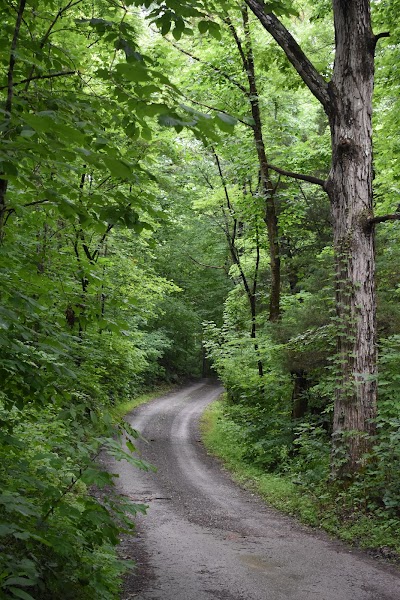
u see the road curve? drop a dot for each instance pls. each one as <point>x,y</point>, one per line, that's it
<point>205,538</point>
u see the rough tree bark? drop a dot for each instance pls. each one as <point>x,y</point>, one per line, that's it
<point>347,101</point>
<point>350,190</point>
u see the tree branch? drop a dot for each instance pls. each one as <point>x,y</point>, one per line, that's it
<point>87,252</point>
<point>308,178</point>
<point>309,74</point>
<point>36,202</point>
<point>238,44</point>
<point>49,76</point>
<point>46,36</point>
<point>11,65</point>
<point>96,253</point>
<point>213,108</point>
<point>206,178</point>
<point>213,67</point>
<point>203,265</point>
<point>381,35</point>
<point>8,109</point>
<point>68,489</point>
<point>257,264</point>
<point>7,212</point>
<point>384,219</point>
<point>216,157</point>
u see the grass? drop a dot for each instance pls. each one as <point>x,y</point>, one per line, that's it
<point>124,408</point>
<point>278,491</point>
<point>370,531</point>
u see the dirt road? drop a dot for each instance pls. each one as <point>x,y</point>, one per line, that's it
<point>204,538</point>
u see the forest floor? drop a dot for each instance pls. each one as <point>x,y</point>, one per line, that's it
<point>206,538</point>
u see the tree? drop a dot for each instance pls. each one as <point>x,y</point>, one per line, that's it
<point>80,299</point>
<point>267,188</point>
<point>347,102</point>
<point>250,283</point>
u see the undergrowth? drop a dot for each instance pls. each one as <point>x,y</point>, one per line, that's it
<point>123,408</point>
<point>60,516</point>
<point>298,492</point>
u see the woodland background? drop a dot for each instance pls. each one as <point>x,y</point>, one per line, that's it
<point>136,250</point>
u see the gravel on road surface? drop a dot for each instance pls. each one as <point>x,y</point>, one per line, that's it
<point>206,538</point>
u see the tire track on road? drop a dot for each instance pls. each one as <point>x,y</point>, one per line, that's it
<point>205,538</point>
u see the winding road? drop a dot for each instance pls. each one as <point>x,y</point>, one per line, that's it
<point>205,538</point>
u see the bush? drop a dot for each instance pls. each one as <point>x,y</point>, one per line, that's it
<point>58,533</point>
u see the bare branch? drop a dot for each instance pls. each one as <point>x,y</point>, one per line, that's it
<point>384,219</point>
<point>214,109</point>
<point>309,74</point>
<point>203,265</point>
<point>383,34</point>
<point>49,76</point>
<point>308,178</point>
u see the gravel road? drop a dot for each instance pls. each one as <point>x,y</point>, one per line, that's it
<point>205,538</point>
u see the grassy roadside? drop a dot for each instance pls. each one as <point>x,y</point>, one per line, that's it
<point>368,531</point>
<point>126,407</point>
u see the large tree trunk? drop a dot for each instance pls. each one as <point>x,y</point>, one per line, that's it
<point>347,100</point>
<point>350,191</point>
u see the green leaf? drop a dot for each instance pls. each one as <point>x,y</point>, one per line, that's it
<point>101,25</point>
<point>214,30</point>
<point>134,72</point>
<point>117,168</point>
<point>130,52</point>
<point>93,476</point>
<point>17,593</point>
<point>24,581</point>
<point>178,29</point>
<point>146,133</point>
<point>130,446</point>
<point>8,169</point>
<point>40,123</point>
<point>27,132</point>
<point>14,502</point>
<point>133,508</point>
<point>165,23</point>
<point>203,26</point>
<point>225,122</point>
<point>6,529</point>
<point>173,120</point>
<point>177,33</point>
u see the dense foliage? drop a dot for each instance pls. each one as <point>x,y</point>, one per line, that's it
<point>140,232</point>
<point>281,421</point>
<point>89,313</point>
